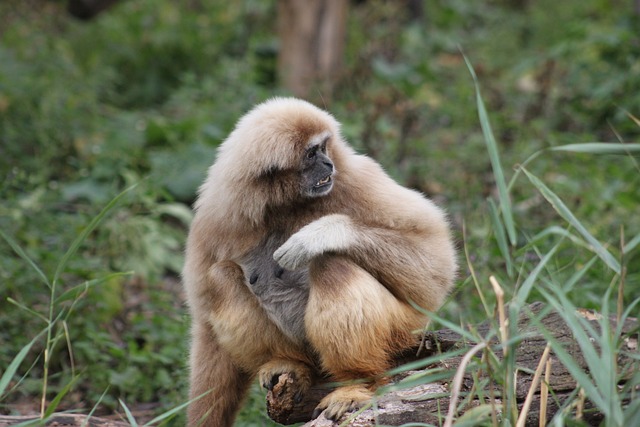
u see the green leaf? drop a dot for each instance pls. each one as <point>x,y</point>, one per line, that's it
<point>92,225</point>
<point>18,250</point>
<point>128,413</point>
<point>494,157</point>
<point>575,278</point>
<point>168,414</point>
<point>75,291</point>
<point>566,213</point>
<point>572,366</point>
<point>86,420</point>
<point>631,244</point>
<point>501,238</point>
<point>525,289</point>
<point>473,416</point>
<point>15,363</point>
<point>27,309</point>
<point>56,400</point>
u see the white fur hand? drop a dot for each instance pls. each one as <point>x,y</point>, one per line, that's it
<point>294,253</point>
<point>329,233</point>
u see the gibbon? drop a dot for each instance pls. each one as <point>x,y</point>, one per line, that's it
<point>304,257</point>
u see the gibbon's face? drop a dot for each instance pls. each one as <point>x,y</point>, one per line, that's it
<point>317,168</point>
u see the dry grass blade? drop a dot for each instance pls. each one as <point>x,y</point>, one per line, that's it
<point>544,394</point>
<point>501,313</point>
<point>457,382</point>
<point>534,384</point>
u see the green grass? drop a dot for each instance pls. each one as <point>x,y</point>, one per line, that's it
<point>531,145</point>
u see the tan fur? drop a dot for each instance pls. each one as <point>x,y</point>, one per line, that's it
<point>371,248</point>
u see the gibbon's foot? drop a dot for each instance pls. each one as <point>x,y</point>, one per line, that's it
<point>270,372</point>
<point>342,400</point>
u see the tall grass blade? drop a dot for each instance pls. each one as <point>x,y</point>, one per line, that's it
<point>15,363</point>
<point>18,250</point>
<point>446,323</point>
<point>56,400</point>
<point>169,413</point>
<point>75,291</point>
<point>419,364</point>
<point>494,157</point>
<point>631,244</point>
<point>566,213</point>
<point>501,237</point>
<point>599,148</point>
<point>575,278</point>
<point>632,413</point>
<point>627,313</point>
<point>604,376</point>
<point>128,413</point>
<point>524,291</point>
<point>27,309</point>
<point>559,231</point>
<point>574,369</point>
<point>35,422</point>
<point>83,235</point>
<point>473,277</point>
<point>90,414</point>
<point>474,416</point>
<point>421,378</point>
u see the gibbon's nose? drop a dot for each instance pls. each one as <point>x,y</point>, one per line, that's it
<point>329,164</point>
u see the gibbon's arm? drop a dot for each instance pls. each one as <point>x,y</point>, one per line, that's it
<point>330,233</point>
<point>414,266</point>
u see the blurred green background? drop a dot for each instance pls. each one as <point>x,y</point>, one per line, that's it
<point>145,91</point>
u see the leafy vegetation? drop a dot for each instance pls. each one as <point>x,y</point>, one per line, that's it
<point>91,314</point>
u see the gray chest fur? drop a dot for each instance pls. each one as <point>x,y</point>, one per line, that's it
<point>283,294</point>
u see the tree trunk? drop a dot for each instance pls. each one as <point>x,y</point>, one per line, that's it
<point>400,407</point>
<point>87,9</point>
<point>312,34</point>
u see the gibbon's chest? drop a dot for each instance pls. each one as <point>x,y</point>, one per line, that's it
<point>283,294</point>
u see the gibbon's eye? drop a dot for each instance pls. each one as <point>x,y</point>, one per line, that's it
<point>312,152</point>
<point>323,145</point>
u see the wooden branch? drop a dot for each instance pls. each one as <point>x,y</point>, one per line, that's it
<point>399,407</point>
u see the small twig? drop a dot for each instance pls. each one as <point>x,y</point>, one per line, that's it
<point>501,314</point>
<point>580,404</point>
<point>532,389</point>
<point>544,394</point>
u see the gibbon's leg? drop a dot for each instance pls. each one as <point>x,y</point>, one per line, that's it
<point>357,326</point>
<point>217,384</point>
<point>233,340</point>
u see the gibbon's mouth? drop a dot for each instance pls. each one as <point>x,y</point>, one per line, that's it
<point>324,181</point>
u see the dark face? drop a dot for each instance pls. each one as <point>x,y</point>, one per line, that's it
<point>317,169</point>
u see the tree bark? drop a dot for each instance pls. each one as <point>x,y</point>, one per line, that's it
<point>400,407</point>
<point>312,34</point>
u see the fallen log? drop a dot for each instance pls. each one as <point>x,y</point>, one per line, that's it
<point>428,403</point>
<point>62,420</point>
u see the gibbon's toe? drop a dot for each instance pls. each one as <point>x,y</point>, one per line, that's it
<point>271,382</point>
<point>342,400</point>
<point>297,376</point>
